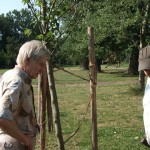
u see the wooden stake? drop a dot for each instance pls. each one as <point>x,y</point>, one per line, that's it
<point>39,99</point>
<point>54,105</point>
<point>93,80</point>
<point>49,109</point>
<point>43,111</point>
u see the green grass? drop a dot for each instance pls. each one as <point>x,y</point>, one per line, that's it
<point>119,110</point>
<point>2,71</point>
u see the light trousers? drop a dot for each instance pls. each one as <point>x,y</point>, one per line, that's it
<point>9,143</point>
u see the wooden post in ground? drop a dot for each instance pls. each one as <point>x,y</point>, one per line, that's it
<point>55,108</point>
<point>49,109</point>
<point>39,98</point>
<point>43,110</point>
<point>93,80</point>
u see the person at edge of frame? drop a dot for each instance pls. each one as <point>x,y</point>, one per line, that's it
<point>18,125</point>
<point>144,64</point>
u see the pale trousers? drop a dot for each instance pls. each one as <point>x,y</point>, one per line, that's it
<point>147,124</point>
<point>9,143</point>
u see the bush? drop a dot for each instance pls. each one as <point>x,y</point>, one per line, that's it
<point>7,60</point>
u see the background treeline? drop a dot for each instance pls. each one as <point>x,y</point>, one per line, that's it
<point>13,28</point>
<point>120,28</point>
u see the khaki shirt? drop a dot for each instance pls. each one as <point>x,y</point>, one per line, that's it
<point>16,100</point>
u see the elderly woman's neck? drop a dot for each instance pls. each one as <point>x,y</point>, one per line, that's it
<point>21,67</point>
<point>24,68</point>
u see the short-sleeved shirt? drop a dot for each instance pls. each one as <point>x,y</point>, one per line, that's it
<point>16,100</point>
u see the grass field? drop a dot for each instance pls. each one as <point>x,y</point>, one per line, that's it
<point>119,110</point>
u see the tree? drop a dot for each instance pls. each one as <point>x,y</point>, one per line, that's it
<point>48,17</point>
<point>12,28</point>
<point>117,26</point>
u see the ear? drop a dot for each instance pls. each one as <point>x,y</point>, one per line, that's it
<point>27,61</point>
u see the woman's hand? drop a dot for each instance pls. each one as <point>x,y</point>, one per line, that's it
<point>29,141</point>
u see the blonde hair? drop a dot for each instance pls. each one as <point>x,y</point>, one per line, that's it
<point>32,49</point>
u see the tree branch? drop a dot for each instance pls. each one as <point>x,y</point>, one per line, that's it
<point>66,31</point>
<point>30,6</point>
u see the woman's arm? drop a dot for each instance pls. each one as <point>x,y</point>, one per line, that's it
<point>11,129</point>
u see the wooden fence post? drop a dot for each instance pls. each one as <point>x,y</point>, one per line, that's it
<point>39,98</point>
<point>93,80</point>
<point>43,110</point>
<point>55,108</point>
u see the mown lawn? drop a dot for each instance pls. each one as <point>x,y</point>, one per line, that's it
<point>119,110</point>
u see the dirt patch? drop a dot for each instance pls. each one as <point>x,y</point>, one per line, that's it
<point>101,83</point>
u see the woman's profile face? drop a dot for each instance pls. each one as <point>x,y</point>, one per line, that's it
<point>36,67</point>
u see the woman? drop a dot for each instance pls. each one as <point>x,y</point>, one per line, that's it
<point>144,64</point>
<point>18,126</point>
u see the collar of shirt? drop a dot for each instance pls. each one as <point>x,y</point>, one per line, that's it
<point>23,75</point>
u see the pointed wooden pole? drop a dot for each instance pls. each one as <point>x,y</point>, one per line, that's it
<point>43,110</point>
<point>55,107</point>
<point>39,98</point>
<point>93,80</point>
<point>49,109</point>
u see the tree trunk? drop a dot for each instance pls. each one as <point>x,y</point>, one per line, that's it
<point>98,64</point>
<point>133,64</point>
<point>43,88</point>
<point>93,80</point>
<point>44,25</point>
<point>85,64</point>
<point>55,106</point>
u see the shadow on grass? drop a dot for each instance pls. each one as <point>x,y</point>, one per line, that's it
<point>123,73</point>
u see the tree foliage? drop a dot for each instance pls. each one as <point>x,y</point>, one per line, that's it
<point>117,27</point>
<point>12,34</point>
